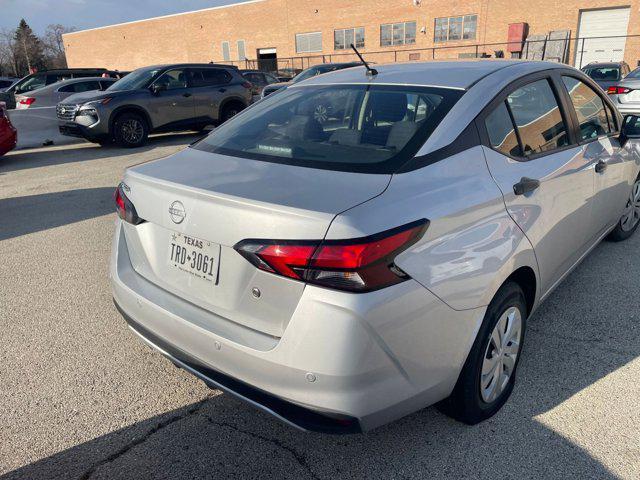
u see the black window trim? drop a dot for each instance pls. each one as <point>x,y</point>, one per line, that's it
<point>552,77</point>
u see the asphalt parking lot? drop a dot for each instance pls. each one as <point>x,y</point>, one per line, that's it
<point>81,397</point>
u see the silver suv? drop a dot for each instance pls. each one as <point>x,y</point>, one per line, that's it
<point>156,99</point>
<point>342,273</point>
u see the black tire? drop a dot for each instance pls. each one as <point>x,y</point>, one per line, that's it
<point>230,110</point>
<point>466,402</point>
<point>130,130</point>
<point>624,230</point>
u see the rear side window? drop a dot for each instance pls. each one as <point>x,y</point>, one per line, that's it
<point>361,128</point>
<point>207,77</point>
<point>538,118</point>
<point>589,107</point>
<point>502,133</point>
<point>81,87</point>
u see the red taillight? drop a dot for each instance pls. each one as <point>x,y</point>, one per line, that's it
<point>618,90</point>
<point>247,85</point>
<point>359,265</point>
<point>125,209</point>
<point>27,101</point>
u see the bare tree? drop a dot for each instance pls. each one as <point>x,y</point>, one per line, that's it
<point>8,53</point>
<point>54,45</point>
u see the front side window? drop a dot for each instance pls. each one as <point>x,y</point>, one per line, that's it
<point>538,118</point>
<point>340,127</point>
<point>448,29</point>
<point>342,39</point>
<point>398,34</point>
<point>590,109</point>
<point>172,80</point>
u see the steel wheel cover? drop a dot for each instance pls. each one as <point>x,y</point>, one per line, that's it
<point>631,214</point>
<point>500,355</point>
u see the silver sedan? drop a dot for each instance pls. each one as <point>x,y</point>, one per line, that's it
<point>51,95</point>
<point>341,271</point>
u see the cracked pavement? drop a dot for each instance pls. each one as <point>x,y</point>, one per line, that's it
<point>83,398</point>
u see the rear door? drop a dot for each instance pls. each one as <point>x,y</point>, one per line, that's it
<point>210,86</point>
<point>598,133</point>
<point>547,183</point>
<point>174,104</point>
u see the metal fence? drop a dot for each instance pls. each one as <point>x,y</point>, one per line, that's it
<point>577,51</point>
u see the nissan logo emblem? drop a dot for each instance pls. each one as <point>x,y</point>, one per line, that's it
<point>177,212</point>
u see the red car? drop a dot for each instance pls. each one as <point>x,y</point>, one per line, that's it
<point>8,134</point>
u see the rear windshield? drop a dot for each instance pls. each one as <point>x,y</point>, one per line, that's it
<point>364,128</point>
<point>605,74</point>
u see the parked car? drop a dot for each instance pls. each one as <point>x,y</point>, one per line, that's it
<point>6,82</point>
<point>342,275</point>
<point>8,134</point>
<point>626,94</point>
<point>51,95</point>
<point>607,74</point>
<point>38,80</point>
<point>306,74</point>
<point>155,99</point>
<point>259,80</point>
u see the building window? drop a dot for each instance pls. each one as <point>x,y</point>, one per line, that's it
<point>308,42</point>
<point>226,53</point>
<point>449,29</point>
<point>397,34</point>
<point>342,39</point>
<point>241,50</point>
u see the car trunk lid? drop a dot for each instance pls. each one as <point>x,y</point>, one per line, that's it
<point>197,196</point>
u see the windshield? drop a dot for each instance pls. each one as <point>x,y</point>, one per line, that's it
<point>362,128</point>
<point>604,74</point>
<point>135,80</point>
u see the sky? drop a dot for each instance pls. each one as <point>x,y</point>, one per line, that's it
<point>92,13</point>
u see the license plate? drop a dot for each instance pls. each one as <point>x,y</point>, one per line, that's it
<point>194,256</point>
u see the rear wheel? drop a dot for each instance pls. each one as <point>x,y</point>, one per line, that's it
<point>130,130</point>
<point>230,110</point>
<point>489,374</point>
<point>628,223</point>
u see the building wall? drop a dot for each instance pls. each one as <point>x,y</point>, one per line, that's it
<point>198,36</point>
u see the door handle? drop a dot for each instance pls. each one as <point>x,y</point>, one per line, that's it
<point>222,90</point>
<point>526,185</point>
<point>601,166</point>
<point>186,94</point>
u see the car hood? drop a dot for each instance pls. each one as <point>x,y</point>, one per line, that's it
<point>277,86</point>
<point>92,96</point>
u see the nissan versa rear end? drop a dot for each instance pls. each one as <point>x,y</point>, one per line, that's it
<point>343,270</point>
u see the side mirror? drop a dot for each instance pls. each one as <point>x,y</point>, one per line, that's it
<point>630,128</point>
<point>156,89</point>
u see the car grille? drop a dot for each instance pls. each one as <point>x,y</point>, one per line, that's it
<point>66,111</point>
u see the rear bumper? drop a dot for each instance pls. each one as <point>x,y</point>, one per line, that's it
<point>345,363</point>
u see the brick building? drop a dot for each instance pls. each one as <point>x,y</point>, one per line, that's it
<point>298,33</point>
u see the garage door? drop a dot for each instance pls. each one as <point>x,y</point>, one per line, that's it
<point>601,23</point>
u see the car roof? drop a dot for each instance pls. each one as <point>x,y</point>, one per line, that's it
<point>185,65</point>
<point>604,64</point>
<point>459,74</point>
